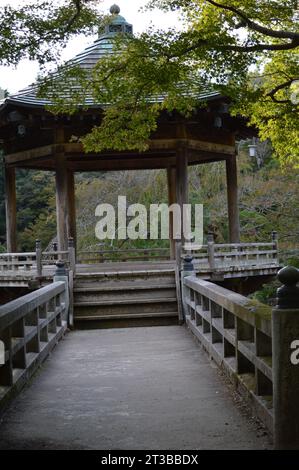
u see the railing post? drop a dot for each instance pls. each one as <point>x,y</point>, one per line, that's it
<point>39,261</point>
<point>285,345</point>
<point>61,276</point>
<point>211,251</point>
<point>188,270</point>
<point>72,255</point>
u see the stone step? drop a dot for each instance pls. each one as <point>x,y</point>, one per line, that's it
<point>125,307</point>
<point>126,294</point>
<point>128,316</point>
<point>129,281</point>
<point>136,272</point>
<point>116,292</point>
<point>159,275</point>
<point>117,286</point>
<point>125,302</point>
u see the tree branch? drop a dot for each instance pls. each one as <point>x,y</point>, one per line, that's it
<point>255,26</point>
<point>234,48</point>
<point>282,86</point>
<point>78,6</point>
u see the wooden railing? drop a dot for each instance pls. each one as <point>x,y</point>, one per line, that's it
<point>236,332</point>
<point>123,255</point>
<point>38,263</point>
<point>17,262</point>
<point>29,328</point>
<point>257,346</point>
<point>210,258</point>
<point>215,257</point>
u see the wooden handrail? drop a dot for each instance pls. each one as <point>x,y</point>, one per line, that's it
<point>19,308</point>
<point>215,256</point>
<point>237,333</point>
<point>30,328</point>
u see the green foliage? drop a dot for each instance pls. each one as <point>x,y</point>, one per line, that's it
<point>268,201</point>
<point>35,208</point>
<point>247,50</point>
<point>39,30</point>
<point>139,187</point>
<point>267,294</point>
<point>36,217</point>
<point>271,100</point>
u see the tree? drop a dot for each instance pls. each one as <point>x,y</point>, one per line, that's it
<point>38,30</point>
<point>246,49</point>
<point>35,207</point>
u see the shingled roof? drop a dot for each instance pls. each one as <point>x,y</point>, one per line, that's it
<point>87,60</point>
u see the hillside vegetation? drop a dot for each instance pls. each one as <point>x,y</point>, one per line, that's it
<point>269,199</point>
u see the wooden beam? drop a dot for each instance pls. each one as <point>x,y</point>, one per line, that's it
<point>11,209</point>
<point>101,163</point>
<point>33,154</point>
<point>171,180</point>
<point>160,155</point>
<point>199,145</point>
<point>232,199</point>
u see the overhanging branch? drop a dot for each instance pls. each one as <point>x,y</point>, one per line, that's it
<point>279,87</point>
<point>281,34</point>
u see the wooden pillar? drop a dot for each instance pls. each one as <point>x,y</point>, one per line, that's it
<point>62,202</point>
<point>11,209</point>
<point>72,232</point>
<point>65,196</point>
<point>171,179</point>
<point>181,188</point>
<point>232,199</point>
<point>65,203</point>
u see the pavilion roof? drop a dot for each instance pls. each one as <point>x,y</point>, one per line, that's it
<point>87,60</point>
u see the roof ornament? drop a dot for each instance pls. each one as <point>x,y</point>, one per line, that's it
<point>114,9</point>
<point>116,24</point>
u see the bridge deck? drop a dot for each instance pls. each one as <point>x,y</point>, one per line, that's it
<point>24,278</point>
<point>145,388</point>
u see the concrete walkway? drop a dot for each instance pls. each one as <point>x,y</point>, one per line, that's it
<point>138,388</point>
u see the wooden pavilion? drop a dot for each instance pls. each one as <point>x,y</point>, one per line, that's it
<point>33,138</point>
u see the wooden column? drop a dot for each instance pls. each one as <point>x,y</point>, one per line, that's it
<point>181,187</point>
<point>11,209</point>
<point>72,232</point>
<point>62,202</point>
<point>171,179</point>
<point>232,199</point>
<point>65,203</point>
<point>65,196</point>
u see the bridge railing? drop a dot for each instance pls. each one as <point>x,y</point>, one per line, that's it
<point>38,263</point>
<point>256,346</point>
<point>29,328</point>
<point>215,257</point>
<point>17,262</point>
<point>236,332</point>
